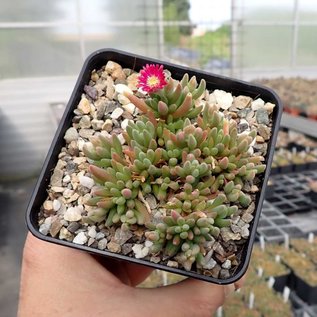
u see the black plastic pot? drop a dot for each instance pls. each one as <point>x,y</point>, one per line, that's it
<point>136,62</point>
<point>305,291</point>
<point>280,282</point>
<point>313,196</point>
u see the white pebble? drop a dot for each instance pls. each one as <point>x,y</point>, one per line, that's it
<point>102,244</point>
<point>124,123</point>
<point>73,213</point>
<point>81,238</point>
<point>226,264</point>
<point>140,251</point>
<point>56,204</point>
<point>224,99</point>
<point>257,104</point>
<point>45,228</point>
<point>148,243</point>
<point>66,179</point>
<point>121,138</point>
<point>86,181</point>
<point>121,88</point>
<point>130,107</point>
<point>117,113</point>
<point>92,232</point>
<point>123,99</point>
<point>99,236</point>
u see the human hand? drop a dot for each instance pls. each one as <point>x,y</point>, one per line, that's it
<point>59,281</point>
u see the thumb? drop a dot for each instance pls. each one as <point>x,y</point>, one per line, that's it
<point>187,298</point>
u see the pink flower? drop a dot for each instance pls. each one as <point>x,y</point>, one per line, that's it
<point>151,78</point>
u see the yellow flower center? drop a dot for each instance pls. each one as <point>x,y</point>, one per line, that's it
<point>152,81</point>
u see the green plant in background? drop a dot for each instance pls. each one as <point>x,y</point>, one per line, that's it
<point>185,153</point>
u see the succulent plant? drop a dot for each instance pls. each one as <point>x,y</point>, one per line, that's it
<point>185,153</point>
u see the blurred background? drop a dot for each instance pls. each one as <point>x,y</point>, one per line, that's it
<point>43,45</point>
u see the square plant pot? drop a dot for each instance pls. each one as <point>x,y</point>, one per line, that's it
<point>280,282</point>
<point>67,230</point>
<point>305,291</point>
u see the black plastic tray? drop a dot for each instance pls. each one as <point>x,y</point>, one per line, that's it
<point>95,61</point>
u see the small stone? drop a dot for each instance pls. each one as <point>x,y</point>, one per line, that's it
<point>57,189</point>
<point>68,193</point>
<point>121,89</point>
<point>79,160</point>
<point>92,232</point>
<point>56,179</point>
<point>110,106</point>
<point>84,106</point>
<point>130,107</point>
<point>85,122</point>
<point>244,112</point>
<point>173,264</point>
<point>71,167</point>
<point>210,263</point>
<point>226,265</point>
<point>91,241</point>
<point>56,204</point>
<point>247,217</point>
<point>133,81</point>
<point>235,228</point>
<point>262,117</point>
<point>80,238</point>
<point>112,66</point>
<point>86,133</point>
<point>71,135</point>
<point>116,114</point>
<point>228,235</point>
<point>224,274</point>
<point>121,138</point>
<point>123,99</point>
<point>110,91</point>
<point>122,236</point>
<point>100,109</point>
<point>241,102</point>
<point>126,248</point>
<point>48,205</point>
<point>55,228</point>
<point>264,131</point>
<point>245,231</point>
<point>125,123</point>
<point>99,235</point>
<point>155,259</point>
<point>66,179</point>
<point>45,228</point>
<point>94,76</point>
<point>73,213</point>
<point>151,200</point>
<point>91,92</point>
<point>114,247</point>
<point>64,234</point>
<point>269,107</point>
<point>217,247</point>
<point>257,104</point>
<point>140,251</point>
<point>97,124</point>
<point>107,125</point>
<point>118,74</point>
<point>224,99</point>
<point>102,244</point>
<point>259,139</point>
<point>73,227</point>
<point>251,208</point>
<point>86,181</point>
<point>243,126</point>
<point>215,271</point>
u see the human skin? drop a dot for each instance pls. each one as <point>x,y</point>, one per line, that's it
<point>60,281</point>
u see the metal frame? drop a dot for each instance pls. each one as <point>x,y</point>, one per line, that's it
<point>236,23</point>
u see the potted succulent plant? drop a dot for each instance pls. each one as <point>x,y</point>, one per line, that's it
<point>159,165</point>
